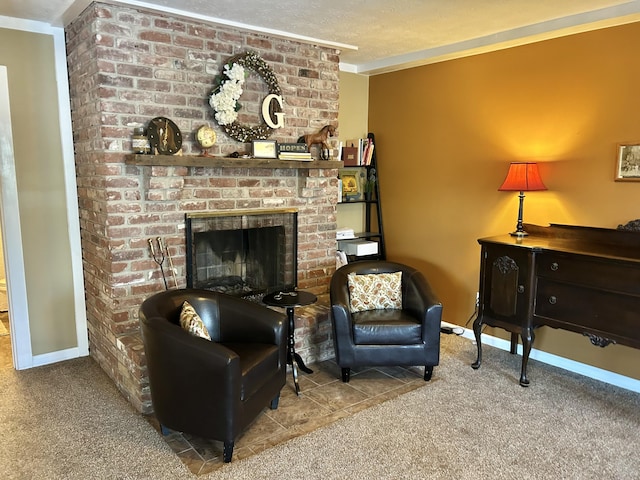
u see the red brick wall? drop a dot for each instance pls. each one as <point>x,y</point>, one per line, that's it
<point>128,66</point>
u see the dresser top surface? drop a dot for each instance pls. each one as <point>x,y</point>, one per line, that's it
<point>589,241</point>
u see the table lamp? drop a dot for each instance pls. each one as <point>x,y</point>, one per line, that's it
<point>522,177</point>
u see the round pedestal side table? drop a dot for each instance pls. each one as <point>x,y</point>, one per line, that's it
<point>290,300</point>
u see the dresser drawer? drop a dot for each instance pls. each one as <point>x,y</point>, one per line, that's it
<point>609,275</point>
<point>585,309</point>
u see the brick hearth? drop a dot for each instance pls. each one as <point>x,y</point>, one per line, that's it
<point>128,66</point>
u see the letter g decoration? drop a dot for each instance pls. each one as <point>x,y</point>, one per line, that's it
<point>266,111</point>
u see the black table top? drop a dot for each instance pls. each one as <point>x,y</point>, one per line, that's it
<point>292,298</point>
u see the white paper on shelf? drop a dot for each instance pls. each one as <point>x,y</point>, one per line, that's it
<point>344,233</point>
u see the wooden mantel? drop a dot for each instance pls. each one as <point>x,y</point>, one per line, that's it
<point>226,162</point>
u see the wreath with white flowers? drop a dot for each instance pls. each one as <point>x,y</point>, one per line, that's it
<point>227,92</point>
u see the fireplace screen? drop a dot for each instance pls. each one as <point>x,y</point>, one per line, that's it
<point>244,253</point>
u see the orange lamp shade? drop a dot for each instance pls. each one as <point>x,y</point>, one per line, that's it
<point>523,177</point>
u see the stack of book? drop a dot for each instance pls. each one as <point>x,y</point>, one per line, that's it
<point>305,157</point>
<point>358,152</point>
<point>367,153</point>
<point>294,151</point>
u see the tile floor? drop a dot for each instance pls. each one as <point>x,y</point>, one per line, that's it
<point>323,399</point>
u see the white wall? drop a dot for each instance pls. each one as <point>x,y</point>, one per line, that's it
<point>39,197</point>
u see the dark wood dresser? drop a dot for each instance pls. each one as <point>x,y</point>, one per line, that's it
<point>581,279</point>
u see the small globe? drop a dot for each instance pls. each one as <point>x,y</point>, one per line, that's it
<point>206,137</point>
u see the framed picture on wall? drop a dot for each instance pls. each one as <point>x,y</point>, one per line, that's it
<point>628,162</point>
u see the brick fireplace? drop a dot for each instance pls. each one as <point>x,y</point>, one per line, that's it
<point>127,66</point>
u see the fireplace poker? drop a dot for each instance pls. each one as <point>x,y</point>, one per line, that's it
<point>159,259</point>
<point>173,270</point>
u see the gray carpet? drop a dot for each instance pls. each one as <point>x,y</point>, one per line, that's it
<point>68,421</point>
<point>470,424</point>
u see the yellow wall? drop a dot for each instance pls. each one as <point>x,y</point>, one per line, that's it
<point>352,123</point>
<point>446,132</point>
<point>35,120</point>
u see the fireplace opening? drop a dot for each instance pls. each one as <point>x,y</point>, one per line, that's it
<point>246,254</point>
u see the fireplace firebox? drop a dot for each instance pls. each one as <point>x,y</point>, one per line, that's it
<point>242,253</point>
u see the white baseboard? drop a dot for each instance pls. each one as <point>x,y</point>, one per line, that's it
<point>600,374</point>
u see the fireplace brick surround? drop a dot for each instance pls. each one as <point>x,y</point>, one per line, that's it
<point>127,66</point>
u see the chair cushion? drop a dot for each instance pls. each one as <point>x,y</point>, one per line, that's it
<point>386,327</point>
<point>375,291</point>
<point>258,363</point>
<point>192,323</point>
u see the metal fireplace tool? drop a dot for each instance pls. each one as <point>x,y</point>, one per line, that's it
<point>159,257</point>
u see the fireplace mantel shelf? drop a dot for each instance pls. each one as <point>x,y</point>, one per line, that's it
<point>226,162</point>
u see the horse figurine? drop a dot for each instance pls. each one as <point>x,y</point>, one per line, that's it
<point>319,138</point>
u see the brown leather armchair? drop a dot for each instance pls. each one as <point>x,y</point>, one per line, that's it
<point>213,389</point>
<point>405,337</point>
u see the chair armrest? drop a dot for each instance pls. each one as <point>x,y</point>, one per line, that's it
<point>187,373</point>
<point>420,299</point>
<point>344,349</point>
<point>342,322</point>
<point>341,312</point>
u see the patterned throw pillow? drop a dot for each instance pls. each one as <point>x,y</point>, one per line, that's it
<point>192,323</point>
<point>375,291</point>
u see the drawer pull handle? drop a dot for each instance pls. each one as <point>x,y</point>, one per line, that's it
<point>554,266</point>
<point>552,300</point>
<point>520,288</point>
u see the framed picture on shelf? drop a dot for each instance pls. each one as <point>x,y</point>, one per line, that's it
<point>264,149</point>
<point>628,162</point>
<point>351,184</point>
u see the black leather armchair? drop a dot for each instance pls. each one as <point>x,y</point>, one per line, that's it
<point>213,389</point>
<point>407,337</point>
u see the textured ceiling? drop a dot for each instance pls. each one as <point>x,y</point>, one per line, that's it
<point>377,35</point>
